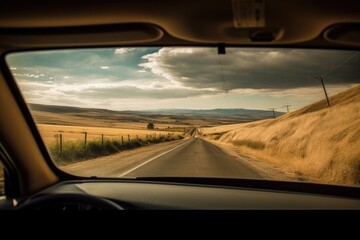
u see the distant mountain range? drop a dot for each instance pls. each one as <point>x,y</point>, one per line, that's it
<point>218,112</point>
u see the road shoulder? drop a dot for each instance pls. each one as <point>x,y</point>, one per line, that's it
<point>265,169</point>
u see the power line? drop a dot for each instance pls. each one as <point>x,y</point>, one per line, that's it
<point>336,67</point>
<point>222,74</point>
<point>321,77</point>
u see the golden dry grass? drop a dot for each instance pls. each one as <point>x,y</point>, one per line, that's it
<point>73,133</point>
<point>112,120</point>
<point>322,144</point>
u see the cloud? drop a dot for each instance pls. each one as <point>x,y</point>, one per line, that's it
<point>130,92</point>
<point>121,51</point>
<point>305,92</point>
<point>250,68</point>
<point>179,77</point>
<point>98,90</point>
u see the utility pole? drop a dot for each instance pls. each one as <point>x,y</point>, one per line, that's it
<point>332,70</point>
<point>273,110</point>
<point>287,108</point>
<point>323,85</point>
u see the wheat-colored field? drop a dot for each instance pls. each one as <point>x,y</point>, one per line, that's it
<point>113,122</point>
<point>322,144</point>
<point>50,132</point>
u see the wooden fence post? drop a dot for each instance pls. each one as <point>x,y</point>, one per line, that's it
<point>129,137</point>
<point>137,137</point>
<point>102,140</point>
<point>61,139</point>
<point>122,140</point>
<point>85,139</point>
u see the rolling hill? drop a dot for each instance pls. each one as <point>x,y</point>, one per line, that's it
<point>219,112</point>
<point>316,142</point>
<point>49,114</point>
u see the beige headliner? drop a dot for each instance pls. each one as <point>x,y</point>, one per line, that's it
<point>199,21</point>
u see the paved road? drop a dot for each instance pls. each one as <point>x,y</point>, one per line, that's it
<point>195,158</point>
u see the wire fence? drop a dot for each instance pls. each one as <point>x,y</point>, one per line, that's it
<point>123,139</point>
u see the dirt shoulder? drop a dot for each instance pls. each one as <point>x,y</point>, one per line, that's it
<point>265,169</point>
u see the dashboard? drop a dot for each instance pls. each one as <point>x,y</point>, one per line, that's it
<point>142,195</point>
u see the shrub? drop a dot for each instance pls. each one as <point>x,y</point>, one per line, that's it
<point>75,151</point>
<point>257,145</point>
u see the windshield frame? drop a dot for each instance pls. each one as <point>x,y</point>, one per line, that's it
<point>32,124</point>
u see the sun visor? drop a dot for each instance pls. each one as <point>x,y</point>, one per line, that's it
<point>80,36</point>
<point>346,33</point>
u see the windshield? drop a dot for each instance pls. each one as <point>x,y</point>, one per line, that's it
<point>251,113</point>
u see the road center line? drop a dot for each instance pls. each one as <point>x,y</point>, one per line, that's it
<point>162,154</point>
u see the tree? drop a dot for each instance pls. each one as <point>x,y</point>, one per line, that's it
<point>150,126</point>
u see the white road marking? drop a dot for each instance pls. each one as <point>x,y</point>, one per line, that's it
<point>162,154</point>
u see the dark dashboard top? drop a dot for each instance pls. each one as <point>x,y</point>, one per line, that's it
<point>135,194</point>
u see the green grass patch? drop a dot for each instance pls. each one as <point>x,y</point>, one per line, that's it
<point>257,145</point>
<point>75,151</point>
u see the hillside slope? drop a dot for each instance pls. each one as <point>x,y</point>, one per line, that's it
<point>319,143</point>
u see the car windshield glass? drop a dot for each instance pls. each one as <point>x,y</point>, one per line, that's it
<point>251,113</point>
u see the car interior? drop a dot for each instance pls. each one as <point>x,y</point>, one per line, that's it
<point>32,181</point>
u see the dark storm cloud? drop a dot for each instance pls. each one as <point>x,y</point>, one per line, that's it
<point>252,68</point>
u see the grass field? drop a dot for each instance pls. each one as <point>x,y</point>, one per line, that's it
<point>74,134</point>
<point>319,143</point>
<point>71,146</point>
<point>73,116</point>
<point>50,133</point>
<point>123,121</point>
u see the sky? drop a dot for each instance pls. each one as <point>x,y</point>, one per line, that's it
<point>183,78</point>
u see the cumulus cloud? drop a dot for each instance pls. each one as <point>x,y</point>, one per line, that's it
<point>179,77</point>
<point>250,68</point>
<point>121,51</point>
<point>131,92</point>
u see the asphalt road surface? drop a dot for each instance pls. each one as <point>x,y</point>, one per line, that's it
<point>195,158</point>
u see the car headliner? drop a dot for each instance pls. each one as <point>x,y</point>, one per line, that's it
<point>65,23</point>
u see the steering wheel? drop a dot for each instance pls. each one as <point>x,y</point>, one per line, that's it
<point>68,202</point>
